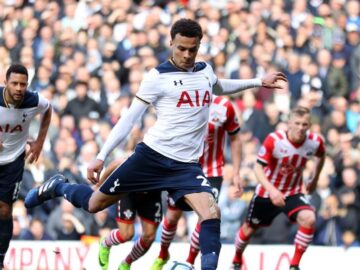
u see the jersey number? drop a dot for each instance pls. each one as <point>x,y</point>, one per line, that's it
<point>205,182</point>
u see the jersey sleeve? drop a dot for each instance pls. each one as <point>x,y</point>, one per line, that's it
<point>43,104</point>
<point>149,89</point>
<point>266,151</point>
<point>232,122</point>
<point>211,74</point>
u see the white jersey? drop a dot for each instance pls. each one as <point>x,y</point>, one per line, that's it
<point>15,122</point>
<point>182,100</point>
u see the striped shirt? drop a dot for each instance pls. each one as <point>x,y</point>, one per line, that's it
<point>222,119</point>
<point>284,161</point>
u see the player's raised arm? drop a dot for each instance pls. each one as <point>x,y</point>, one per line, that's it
<point>116,136</point>
<point>228,86</point>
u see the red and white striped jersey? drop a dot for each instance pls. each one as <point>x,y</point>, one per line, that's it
<point>222,118</point>
<point>285,161</point>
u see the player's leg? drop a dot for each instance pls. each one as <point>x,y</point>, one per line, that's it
<point>204,205</point>
<point>298,209</point>
<point>10,180</point>
<point>6,224</point>
<point>125,219</point>
<point>121,180</point>
<point>149,209</point>
<point>242,239</point>
<point>261,213</point>
<point>142,245</point>
<point>169,226</point>
<point>80,195</point>
<point>215,183</point>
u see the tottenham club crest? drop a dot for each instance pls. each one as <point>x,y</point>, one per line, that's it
<point>116,184</point>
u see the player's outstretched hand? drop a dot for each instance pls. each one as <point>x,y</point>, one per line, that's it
<point>238,184</point>
<point>277,198</point>
<point>94,170</point>
<point>272,80</point>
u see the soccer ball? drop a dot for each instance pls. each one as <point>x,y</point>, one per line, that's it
<point>176,265</point>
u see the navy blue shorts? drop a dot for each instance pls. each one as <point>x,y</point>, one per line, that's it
<point>147,170</point>
<point>11,175</point>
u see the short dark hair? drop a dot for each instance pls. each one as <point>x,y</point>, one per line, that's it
<point>187,28</point>
<point>16,68</point>
<point>299,111</point>
<point>84,83</point>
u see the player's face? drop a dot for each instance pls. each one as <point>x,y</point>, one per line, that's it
<point>184,50</point>
<point>16,87</point>
<point>297,127</point>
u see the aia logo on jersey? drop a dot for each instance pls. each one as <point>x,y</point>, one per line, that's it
<point>187,98</point>
<point>11,129</point>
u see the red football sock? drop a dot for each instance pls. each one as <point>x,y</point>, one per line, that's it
<point>303,238</point>
<point>194,245</point>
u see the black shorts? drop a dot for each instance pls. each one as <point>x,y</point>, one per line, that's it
<point>147,205</point>
<point>148,170</point>
<point>216,182</point>
<point>11,175</point>
<point>262,212</point>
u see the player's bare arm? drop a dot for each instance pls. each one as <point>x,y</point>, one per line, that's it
<point>36,146</point>
<point>277,198</point>
<point>116,136</point>
<point>227,86</point>
<point>319,164</point>
<point>236,158</point>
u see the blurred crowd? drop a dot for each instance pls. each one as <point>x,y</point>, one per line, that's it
<point>88,57</point>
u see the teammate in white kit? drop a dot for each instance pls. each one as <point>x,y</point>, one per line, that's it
<point>17,108</point>
<point>281,161</point>
<point>181,90</point>
<point>222,121</point>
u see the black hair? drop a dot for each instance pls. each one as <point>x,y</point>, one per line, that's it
<point>187,28</point>
<point>16,68</point>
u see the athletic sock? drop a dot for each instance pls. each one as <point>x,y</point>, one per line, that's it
<point>6,230</point>
<point>210,245</point>
<point>194,245</point>
<point>78,194</point>
<point>114,238</point>
<point>167,235</point>
<point>138,250</point>
<point>241,242</point>
<point>303,238</point>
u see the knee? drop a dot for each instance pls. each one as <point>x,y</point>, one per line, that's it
<point>172,217</point>
<point>148,238</point>
<point>308,219</point>
<point>126,231</point>
<point>127,235</point>
<point>212,213</point>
